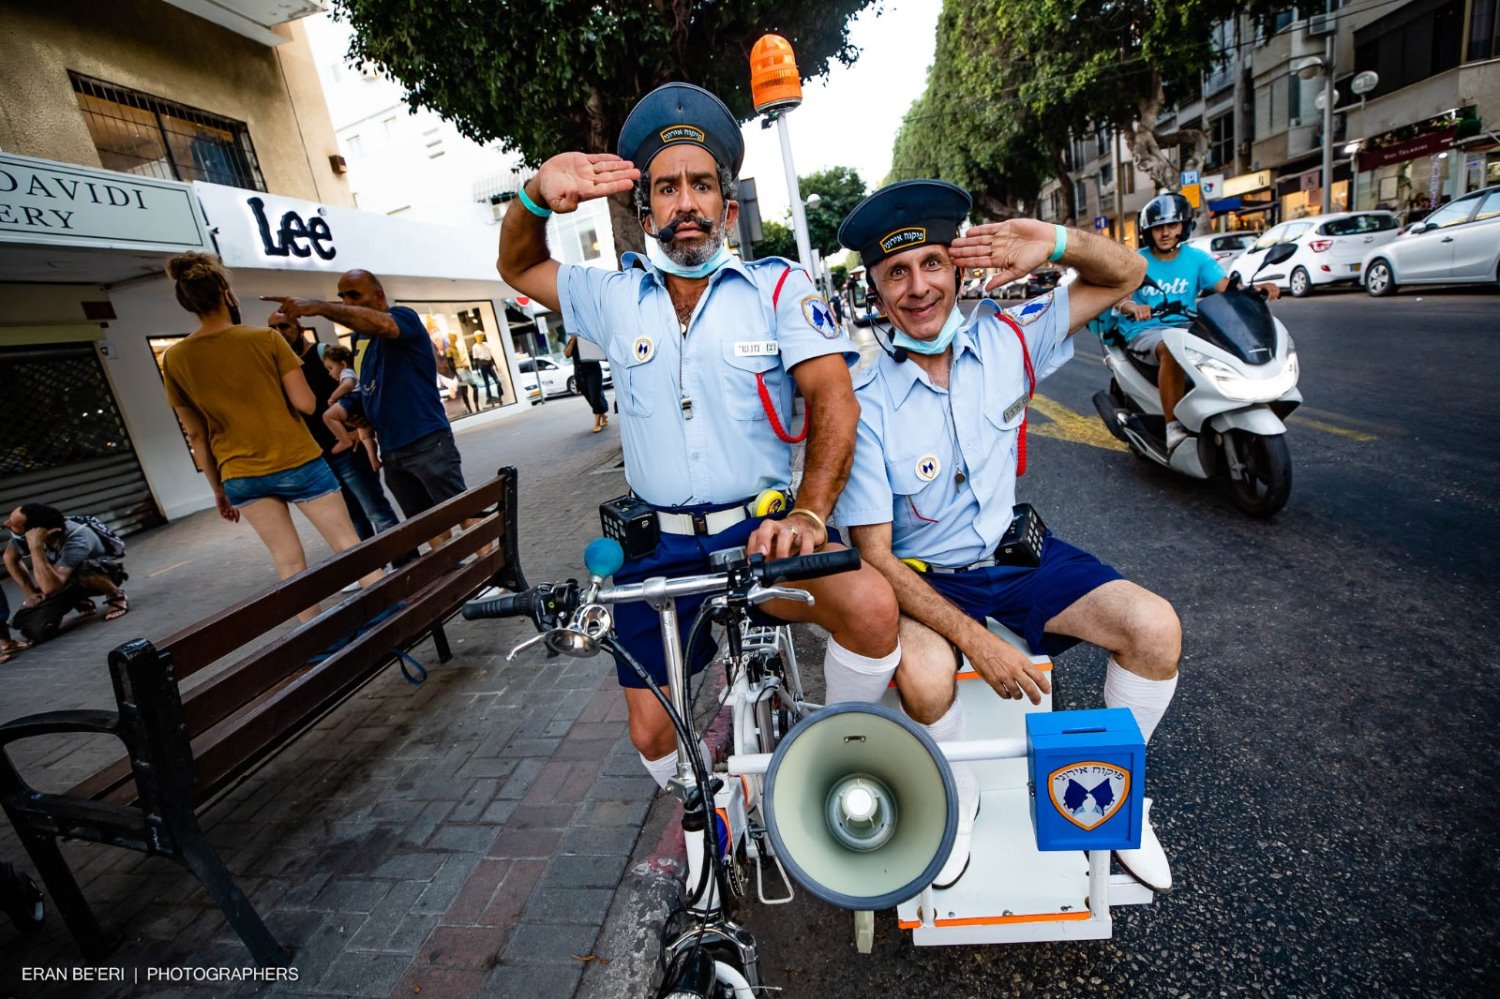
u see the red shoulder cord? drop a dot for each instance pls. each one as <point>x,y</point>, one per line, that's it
<point>1030,391</point>
<point>765,393</point>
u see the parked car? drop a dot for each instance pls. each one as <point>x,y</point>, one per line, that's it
<point>557,376</point>
<point>1458,243</point>
<point>973,288</point>
<point>1330,249</point>
<point>1225,246</point>
<point>1011,289</point>
<point>1042,281</point>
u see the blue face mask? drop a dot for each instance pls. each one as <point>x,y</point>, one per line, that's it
<point>662,262</point>
<point>936,345</point>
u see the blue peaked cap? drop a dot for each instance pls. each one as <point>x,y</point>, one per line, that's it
<point>681,112</point>
<point>903,215</point>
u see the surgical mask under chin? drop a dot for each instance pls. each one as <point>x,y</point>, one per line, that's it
<point>937,344</point>
<point>659,259</point>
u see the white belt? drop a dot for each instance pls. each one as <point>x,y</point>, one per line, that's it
<point>692,524</point>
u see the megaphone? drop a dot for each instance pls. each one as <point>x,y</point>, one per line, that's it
<point>860,806</point>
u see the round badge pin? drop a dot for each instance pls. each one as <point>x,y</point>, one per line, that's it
<point>928,467</point>
<point>643,348</point>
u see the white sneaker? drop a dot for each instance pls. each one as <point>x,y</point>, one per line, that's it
<point>968,810</point>
<point>1176,434</point>
<point>1148,864</point>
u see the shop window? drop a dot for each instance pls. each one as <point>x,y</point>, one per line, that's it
<point>145,135</point>
<point>455,328</point>
<point>1484,30</point>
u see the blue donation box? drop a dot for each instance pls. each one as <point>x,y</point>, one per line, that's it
<point>1088,779</point>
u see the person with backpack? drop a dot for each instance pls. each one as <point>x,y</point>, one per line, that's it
<point>60,563</point>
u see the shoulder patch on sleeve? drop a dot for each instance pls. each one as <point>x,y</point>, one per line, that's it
<point>1029,312</point>
<point>819,316</point>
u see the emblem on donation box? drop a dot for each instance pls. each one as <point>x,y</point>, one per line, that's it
<point>1088,794</point>
<point>928,467</point>
<point>643,348</point>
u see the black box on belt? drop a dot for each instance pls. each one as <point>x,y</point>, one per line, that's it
<point>632,522</point>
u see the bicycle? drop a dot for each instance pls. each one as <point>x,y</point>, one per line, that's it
<point>703,949</point>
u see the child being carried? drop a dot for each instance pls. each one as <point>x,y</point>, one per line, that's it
<point>345,403</point>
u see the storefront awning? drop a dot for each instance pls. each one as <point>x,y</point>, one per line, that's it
<point>1224,205</point>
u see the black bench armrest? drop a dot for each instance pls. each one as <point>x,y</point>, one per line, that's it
<point>58,722</point>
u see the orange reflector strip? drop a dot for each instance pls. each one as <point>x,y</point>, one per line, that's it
<point>1040,917</point>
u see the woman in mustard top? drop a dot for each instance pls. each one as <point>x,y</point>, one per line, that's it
<point>234,388</point>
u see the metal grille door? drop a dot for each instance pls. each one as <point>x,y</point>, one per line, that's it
<point>64,442</point>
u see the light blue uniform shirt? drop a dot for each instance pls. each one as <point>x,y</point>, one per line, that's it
<point>727,451</point>
<point>914,437</point>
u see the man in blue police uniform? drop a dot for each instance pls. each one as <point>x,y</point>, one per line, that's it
<point>706,351</point>
<point>942,438</point>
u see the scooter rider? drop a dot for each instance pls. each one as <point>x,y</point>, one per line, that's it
<point>942,438</point>
<point>1184,274</point>
<point>706,350</point>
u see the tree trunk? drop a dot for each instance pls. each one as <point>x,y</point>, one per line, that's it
<point>625,223</point>
<point>1060,173</point>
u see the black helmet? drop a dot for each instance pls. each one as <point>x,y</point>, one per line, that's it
<point>1163,210</point>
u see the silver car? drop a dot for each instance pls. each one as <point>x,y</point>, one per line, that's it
<point>1459,243</point>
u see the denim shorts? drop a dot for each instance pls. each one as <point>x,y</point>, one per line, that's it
<point>294,485</point>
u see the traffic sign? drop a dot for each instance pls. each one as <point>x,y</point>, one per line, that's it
<point>1211,186</point>
<point>1189,178</point>
<point>1190,191</point>
<point>1101,222</point>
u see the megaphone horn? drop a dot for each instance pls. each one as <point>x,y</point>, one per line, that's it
<point>860,806</point>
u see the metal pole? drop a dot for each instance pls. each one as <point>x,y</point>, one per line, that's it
<point>1119,191</point>
<point>1328,51</point>
<point>799,216</point>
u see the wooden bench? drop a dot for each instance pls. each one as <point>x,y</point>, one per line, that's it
<point>186,747</point>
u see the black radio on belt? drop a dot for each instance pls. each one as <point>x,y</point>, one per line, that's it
<point>1022,544</point>
<point>632,522</point>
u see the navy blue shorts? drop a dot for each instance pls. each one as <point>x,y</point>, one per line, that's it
<point>293,485</point>
<point>1024,599</point>
<point>637,626</point>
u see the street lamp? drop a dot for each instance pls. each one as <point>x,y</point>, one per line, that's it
<point>1309,70</point>
<point>776,88</point>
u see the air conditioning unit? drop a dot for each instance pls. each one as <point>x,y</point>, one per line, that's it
<point>1294,123</point>
<point>1322,24</point>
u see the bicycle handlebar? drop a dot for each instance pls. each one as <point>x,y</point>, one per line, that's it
<point>554,599</point>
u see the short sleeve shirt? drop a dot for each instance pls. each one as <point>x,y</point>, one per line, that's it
<point>939,465</point>
<point>398,379</point>
<point>232,378</point>
<point>79,544</point>
<point>1183,278</point>
<point>696,408</point>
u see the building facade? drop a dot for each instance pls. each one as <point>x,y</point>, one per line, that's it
<point>1417,95</point>
<point>142,129</point>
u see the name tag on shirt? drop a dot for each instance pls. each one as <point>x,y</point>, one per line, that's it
<point>1014,409</point>
<point>756,348</point>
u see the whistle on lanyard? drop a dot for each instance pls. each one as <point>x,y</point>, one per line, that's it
<point>686,403</point>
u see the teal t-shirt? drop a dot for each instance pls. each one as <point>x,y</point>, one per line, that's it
<point>1183,278</point>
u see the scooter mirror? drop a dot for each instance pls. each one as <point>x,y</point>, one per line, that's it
<point>1278,254</point>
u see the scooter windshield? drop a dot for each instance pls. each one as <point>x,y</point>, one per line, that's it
<point>1239,322</point>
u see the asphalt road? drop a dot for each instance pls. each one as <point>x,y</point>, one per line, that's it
<point>1322,781</point>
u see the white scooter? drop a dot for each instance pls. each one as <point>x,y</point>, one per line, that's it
<point>1242,373</point>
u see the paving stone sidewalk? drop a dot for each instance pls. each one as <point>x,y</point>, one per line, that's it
<point>463,837</point>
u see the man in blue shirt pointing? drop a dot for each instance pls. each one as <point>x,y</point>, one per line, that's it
<point>706,351</point>
<point>942,439</point>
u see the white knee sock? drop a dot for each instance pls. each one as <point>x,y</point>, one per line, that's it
<point>1146,699</point>
<point>853,677</point>
<point>665,769</point>
<point>950,727</point>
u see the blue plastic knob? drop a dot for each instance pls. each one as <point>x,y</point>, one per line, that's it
<point>603,557</point>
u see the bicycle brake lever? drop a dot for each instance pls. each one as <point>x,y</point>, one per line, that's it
<point>762,594</point>
<point>525,645</point>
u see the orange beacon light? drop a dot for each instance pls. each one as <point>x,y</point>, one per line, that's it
<point>774,82</point>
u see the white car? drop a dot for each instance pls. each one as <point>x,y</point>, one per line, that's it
<point>1225,246</point>
<point>1457,244</point>
<point>1330,249</point>
<point>557,376</point>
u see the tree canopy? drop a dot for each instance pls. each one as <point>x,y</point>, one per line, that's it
<point>838,189</point>
<point>1033,73</point>
<point>547,76</point>
<point>777,240</point>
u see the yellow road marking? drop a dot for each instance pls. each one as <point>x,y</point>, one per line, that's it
<point>174,565</point>
<point>1369,426</point>
<point>1064,424</point>
<point>1328,428</point>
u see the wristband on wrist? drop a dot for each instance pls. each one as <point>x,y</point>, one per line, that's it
<point>1062,243</point>
<point>815,519</point>
<point>532,206</point>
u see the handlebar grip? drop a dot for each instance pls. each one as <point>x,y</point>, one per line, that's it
<point>789,570</point>
<point>507,605</point>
